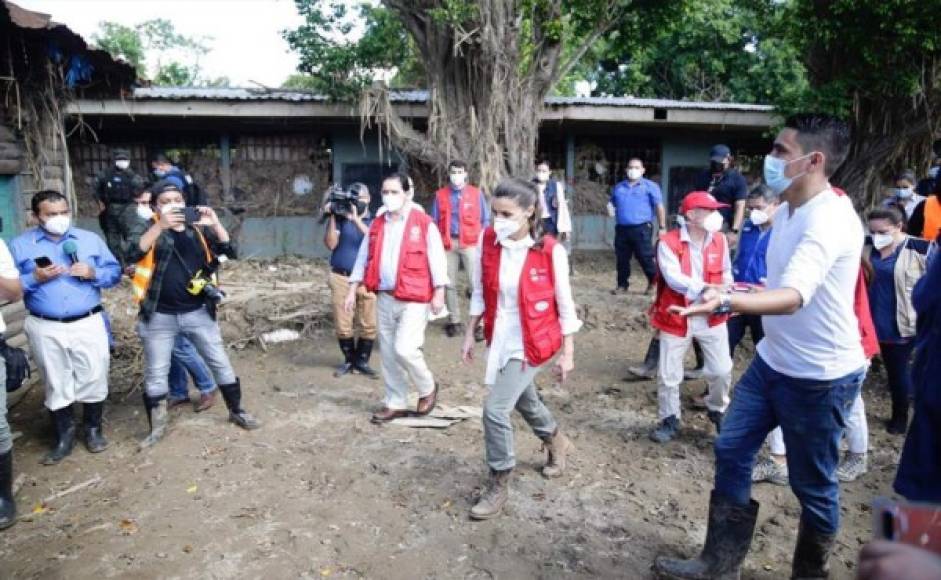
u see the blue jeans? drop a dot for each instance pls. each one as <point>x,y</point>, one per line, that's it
<point>186,358</point>
<point>812,415</point>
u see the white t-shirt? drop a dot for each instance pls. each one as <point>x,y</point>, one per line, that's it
<point>815,251</point>
<point>7,270</point>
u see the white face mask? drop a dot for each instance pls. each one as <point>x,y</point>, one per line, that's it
<point>634,174</point>
<point>458,179</point>
<point>393,202</point>
<point>122,164</point>
<point>505,227</point>
<point>713,222</point>
<point>542,176</point>
<point>882,240</point>
<point>144,212</point>
<point>57,225</point>
<point>759,217</point>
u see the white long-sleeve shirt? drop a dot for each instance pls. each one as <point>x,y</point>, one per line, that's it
<point>392,238</point>
<point>507,341</point>
<point>690,286</point>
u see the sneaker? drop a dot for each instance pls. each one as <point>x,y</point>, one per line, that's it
<point>852,467</point>
<point>666,431</point>
<point>771,471</point>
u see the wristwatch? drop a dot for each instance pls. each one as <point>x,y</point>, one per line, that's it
<point>725,304</point>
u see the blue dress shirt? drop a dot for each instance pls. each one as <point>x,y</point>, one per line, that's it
<point>65,295</point>
<point>636,203</point>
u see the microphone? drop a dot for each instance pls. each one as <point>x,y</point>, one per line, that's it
<point>71,250</point>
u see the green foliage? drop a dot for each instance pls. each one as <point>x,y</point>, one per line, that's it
<point>342,48</point>
<point>694,50</point>
<point>866,49</point>
<point>174,57</point>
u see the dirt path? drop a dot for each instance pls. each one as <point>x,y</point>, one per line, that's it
<point>319,492</point>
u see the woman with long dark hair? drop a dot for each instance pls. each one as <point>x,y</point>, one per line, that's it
<point>523,296</point>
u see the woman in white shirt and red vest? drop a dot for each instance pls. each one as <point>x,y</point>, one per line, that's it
<point>522,294</point>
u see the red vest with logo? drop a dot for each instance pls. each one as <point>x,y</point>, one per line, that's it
<point>713,260</point>
<point>413,278</point>
<point>539,311</point>
<point>468,217</point>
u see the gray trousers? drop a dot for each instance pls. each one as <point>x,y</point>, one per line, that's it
<point>457,256</point>
<point>6,437</point>
<point>514,388</point>
<point>159,336</point>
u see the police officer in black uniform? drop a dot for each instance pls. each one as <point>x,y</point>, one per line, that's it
<point>115,189</point>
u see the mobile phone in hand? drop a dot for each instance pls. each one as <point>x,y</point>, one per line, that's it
<point>42,262</point>
<point>190,215</point>
<point>916,524</point>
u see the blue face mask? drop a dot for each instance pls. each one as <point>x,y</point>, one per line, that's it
<point>904,193</point>
<point>159,172</point>
<point>774,173</point>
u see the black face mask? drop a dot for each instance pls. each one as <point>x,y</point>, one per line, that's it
<point>361,207</point>
<point>717,166</point>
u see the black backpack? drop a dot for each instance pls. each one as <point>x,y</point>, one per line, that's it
<point>17,363</point>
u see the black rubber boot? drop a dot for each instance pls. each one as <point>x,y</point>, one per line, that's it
<point>648,369</point>
<point>232,395</point>
<point>898,424</point>
<point>157,417</point>
<point>95,440</point>
<point>7,505</point>
<point>728,538</point>
<point>348,346</point>
<point>812,554</point>
<point>361,360</point>
<point>64,425</point>
<point>695,373</point>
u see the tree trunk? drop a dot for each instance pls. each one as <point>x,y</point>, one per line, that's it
<point>488,73</point>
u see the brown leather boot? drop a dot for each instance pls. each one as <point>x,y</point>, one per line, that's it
<point>493,499</point>
<point>558,447</point>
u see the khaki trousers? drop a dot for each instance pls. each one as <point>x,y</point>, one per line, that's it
<point>364,316</point>
<point>467,256</point>
<point>401,336</point>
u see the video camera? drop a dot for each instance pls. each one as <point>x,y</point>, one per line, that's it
<point>342,201</point>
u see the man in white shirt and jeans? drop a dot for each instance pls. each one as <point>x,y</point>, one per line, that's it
<point>809,367</point>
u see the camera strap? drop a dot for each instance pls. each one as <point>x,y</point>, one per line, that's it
<point>183,262</point>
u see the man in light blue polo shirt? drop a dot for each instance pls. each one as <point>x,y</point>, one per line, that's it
<point>634,203</point>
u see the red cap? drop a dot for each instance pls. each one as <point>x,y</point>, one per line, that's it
<point>700,199</point>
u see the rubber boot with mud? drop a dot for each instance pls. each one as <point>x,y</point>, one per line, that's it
<point>728,538</point>
<point>696,373</point>
<point>232,395</point>
<point>493,499</point>
<point>557,446</point>
<point>157,417</point>
<point>348,347</point>
<point>95,440</point>
<point>64,424</point>
<point>812,554</point>
<point>648,369</point>
<point>361,360</point>
<point>7,505</point>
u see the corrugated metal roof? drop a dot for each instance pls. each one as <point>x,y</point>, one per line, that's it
<point>420,96</point>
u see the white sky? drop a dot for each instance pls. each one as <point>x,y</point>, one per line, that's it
<point>247,44</point>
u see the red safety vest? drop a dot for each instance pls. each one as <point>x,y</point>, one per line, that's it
<point>867,329</point>
<point>539,311</point>
<point>713,262</point>
<point>469,218</point>
<point>413,278</point>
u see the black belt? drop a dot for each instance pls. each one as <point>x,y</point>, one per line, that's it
<point>341,272</point>
<point>94,310</point>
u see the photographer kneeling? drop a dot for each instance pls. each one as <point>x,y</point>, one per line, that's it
<point>172,283</point>
<point>348,222</point>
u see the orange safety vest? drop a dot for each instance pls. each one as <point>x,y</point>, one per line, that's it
<point>932,218</point>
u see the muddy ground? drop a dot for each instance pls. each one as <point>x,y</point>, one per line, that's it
<point>319,492</point>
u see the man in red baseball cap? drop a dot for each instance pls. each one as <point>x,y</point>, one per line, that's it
<point>691,259</point>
